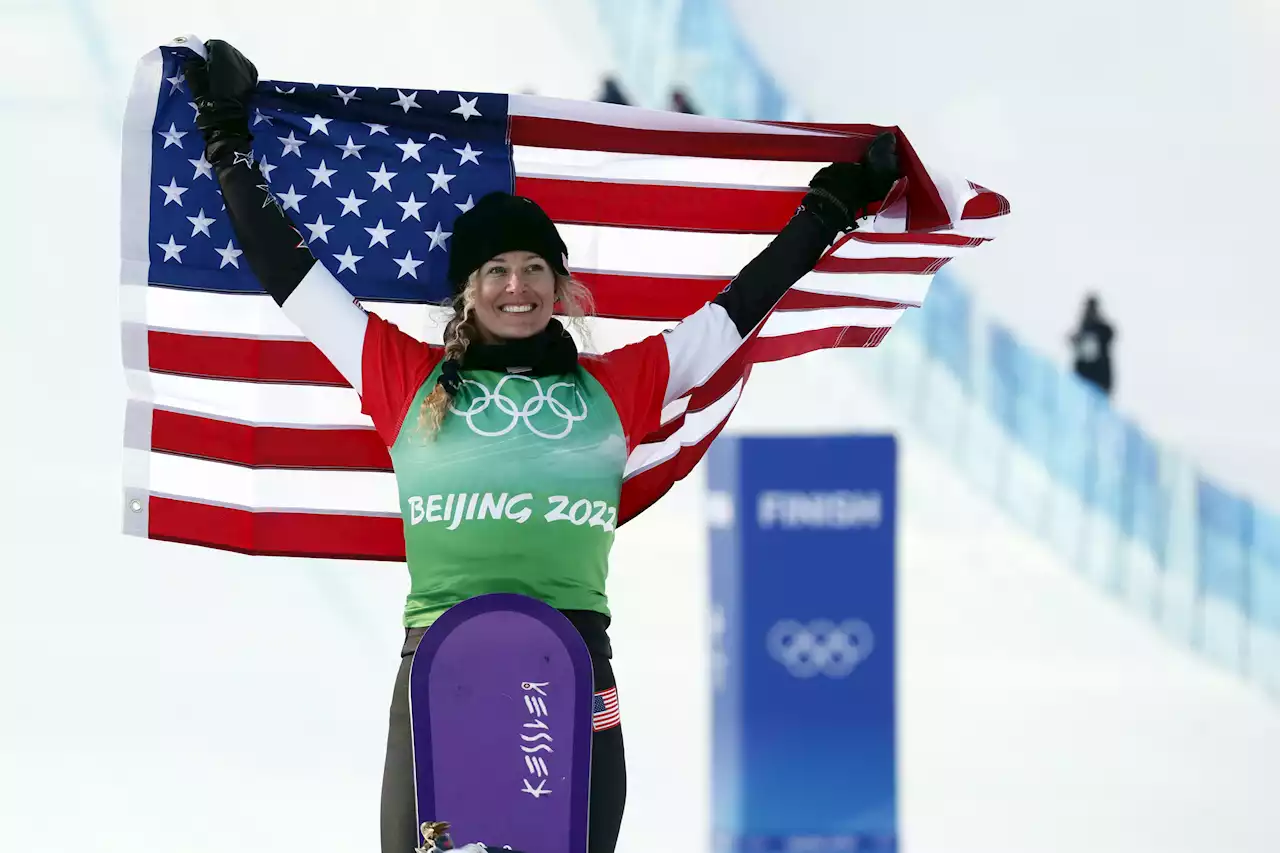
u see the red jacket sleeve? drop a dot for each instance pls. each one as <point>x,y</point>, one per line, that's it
<point>635,378</point>
<point>394,365</point>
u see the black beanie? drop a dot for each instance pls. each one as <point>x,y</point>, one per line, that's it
<point>500,222</point>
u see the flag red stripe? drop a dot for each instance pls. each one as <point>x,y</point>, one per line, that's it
<point>917,239</point>
<point>985,205</point>
<point>777,348</point>
<point>248,359</point>
<point>905,266</point>
<point>799,300</point>
<point>586,136</point>
<point>267,446</point>
<point>640,297</point>
<point>672,299</point>
<point>677,208</point>
<point>292,534</point>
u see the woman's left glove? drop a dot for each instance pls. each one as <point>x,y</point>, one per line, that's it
<point>840,193</point>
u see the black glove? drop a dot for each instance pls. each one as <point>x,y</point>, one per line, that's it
<point>222,85</point>
<point>839,193</point>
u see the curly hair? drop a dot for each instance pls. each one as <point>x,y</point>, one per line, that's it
<point>573,299</point>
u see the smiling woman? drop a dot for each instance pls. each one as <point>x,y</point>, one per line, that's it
<point>508,265</point>
<point>506,258</point>
<point>514,295</point>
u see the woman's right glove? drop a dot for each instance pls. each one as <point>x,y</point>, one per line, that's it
<point>222,85</point>
<point>840,193</point>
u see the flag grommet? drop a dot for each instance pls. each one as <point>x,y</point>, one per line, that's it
<point>135,505</point>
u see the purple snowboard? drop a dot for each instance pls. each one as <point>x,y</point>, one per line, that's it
<point>500,695</point>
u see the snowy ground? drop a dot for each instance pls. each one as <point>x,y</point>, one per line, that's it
<point>162,698</point>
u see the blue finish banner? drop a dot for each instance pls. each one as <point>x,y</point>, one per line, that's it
<point>803,561</point>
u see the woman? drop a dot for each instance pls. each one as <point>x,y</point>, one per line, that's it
<point>507,412</point>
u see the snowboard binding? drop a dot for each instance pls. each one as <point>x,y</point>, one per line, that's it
<point>435,836</point>
<point>438,839</point>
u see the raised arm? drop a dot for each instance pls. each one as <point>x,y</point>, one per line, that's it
<point>837,197</point>
<point>645,376</point>
<point>310,296</point>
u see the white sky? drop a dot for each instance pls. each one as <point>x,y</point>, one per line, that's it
<point>1137,142</point>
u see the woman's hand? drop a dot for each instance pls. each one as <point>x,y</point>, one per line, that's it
<point>839,193</point>
<point>222,85</point>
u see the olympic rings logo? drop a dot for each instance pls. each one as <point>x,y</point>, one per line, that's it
<point>820,647</point>
<point>564,415</point>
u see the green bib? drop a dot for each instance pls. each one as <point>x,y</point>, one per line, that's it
<point>518,492</point>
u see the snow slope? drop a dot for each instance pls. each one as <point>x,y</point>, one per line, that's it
<point>163,698</point>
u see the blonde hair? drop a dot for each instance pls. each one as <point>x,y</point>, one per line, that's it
<point>573,298</point>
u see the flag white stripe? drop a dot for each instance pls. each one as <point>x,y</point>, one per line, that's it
<point>649,251</point>
<point>615,115</point>
<point>782,323</point>
<point>987,229</point>
<point>697,426</point>
<point>572,164</point>
<point>359,492</point>
<point>867,250</point>
<point>135,197</point>
<point>260,403</point>
<point>135,211</point>
<point>674,409</point>
<point>889,287</point>
<point>258,316</point>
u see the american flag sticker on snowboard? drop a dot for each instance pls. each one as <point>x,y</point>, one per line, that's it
<point>604,710</point>
<point>503,707</point>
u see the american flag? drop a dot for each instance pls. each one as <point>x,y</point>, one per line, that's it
<point>604,710</point>
<point>240,435</point>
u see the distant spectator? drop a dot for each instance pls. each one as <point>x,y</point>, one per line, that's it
<point>611,92</point>
<point>681,103</point>
<point>1091,345</point>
